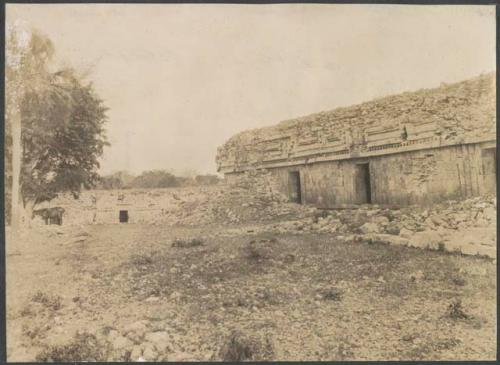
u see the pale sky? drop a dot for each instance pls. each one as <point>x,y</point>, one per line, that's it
<point>181,79</point>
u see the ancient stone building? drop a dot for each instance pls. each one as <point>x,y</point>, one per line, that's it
<point>412,148</point>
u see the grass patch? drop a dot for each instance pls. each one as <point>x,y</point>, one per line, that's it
<point>260,250</point>
<point>53,302</point>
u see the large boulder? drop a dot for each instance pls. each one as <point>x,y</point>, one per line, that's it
<point>406,233</point>
<point>370,228</point>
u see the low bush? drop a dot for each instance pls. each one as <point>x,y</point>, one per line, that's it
<point>83,347</point>
<point>53,302</point>
<point>455,311</point>
<point>187,243</point>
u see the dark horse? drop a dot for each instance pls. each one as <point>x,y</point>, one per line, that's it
<point>50,215</point>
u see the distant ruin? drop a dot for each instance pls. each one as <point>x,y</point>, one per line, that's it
<point>412,148</point>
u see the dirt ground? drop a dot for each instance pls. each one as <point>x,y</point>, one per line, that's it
<point>124,292</point>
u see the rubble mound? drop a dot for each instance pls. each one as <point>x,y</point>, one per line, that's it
<point>251,198</point>
<point>467,226</point>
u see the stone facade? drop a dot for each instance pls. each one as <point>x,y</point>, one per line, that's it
<point>411,148</point>
<point>104,206</point>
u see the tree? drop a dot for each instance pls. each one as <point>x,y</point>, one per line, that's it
<point>207,179</point>
<point>155,179</point>
<point>54,125</point>
<point>117,180</point>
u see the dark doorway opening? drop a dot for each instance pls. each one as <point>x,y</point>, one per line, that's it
<point>489,156</point>
<point>295,187</point>
<point>123,216</point>
<point>363,184</point>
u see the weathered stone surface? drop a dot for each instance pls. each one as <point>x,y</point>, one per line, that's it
<point>406,233</point>
<point>136,353</point>
<point>425,239</point>
<point>136,330</point>
<point>121,342</point>
<point>391,239</point>
<point>347,130</point>
<point>150,353</point>
<point>369,228</point>
<point>160,339</point>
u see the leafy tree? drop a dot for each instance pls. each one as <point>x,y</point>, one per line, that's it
<point>207,179</point>
<point>118,180</point>
<point>54,124</point>
<point>155,179</point>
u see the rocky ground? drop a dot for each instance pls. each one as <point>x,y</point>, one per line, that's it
<point>309,285</point>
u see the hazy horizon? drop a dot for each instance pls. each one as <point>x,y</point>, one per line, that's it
<point>180,79</point>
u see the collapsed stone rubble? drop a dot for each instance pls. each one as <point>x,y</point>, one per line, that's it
<point>468,226</point>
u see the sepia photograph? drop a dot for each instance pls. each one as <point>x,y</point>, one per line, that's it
<point>250,182</point>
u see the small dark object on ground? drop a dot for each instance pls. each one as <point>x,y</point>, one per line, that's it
<point>260,249</point>
<point>458,281</point>
<point>455,310</point>
<point>186,243</point>
<point>320,214</point>
<point>333,294</point>
<point>409,338</point>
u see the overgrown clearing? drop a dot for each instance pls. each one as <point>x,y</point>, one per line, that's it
<point>131,292</point>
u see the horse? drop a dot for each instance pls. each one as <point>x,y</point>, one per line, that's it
<point>50,215</point>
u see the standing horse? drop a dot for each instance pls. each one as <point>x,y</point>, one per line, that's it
<point>50,215</point>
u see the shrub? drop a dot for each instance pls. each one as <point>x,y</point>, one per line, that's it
<point>455,311</point>
<point>83,347</point>
<point>141,259</point>
<point>53,302</point>
<point>239,347</point>
<point>258,250</point>
<point>186,243</point>
<point>332,294</point>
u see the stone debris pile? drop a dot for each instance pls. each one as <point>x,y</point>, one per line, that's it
<point>232,206</point>
<point>467,226</point>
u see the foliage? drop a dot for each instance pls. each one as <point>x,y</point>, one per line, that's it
<point>207,179</point>
<point>153,179</point>
<point>456,311</point>
<point>83,347</point>
<point>118,180</point>
<point>62,121</point>
<point>186,243</point>
<point>63,136</point>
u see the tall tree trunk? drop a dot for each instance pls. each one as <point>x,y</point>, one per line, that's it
<point>16,172</point>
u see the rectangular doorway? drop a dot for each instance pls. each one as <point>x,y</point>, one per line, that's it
<point>294,187</point>
<point>363,184</point>
<point>123,216</point>
<point>489,159</point>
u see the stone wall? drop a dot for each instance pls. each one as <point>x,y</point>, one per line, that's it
<point>449,115</point>
<point>252,196</point>
<point>417,177</point>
